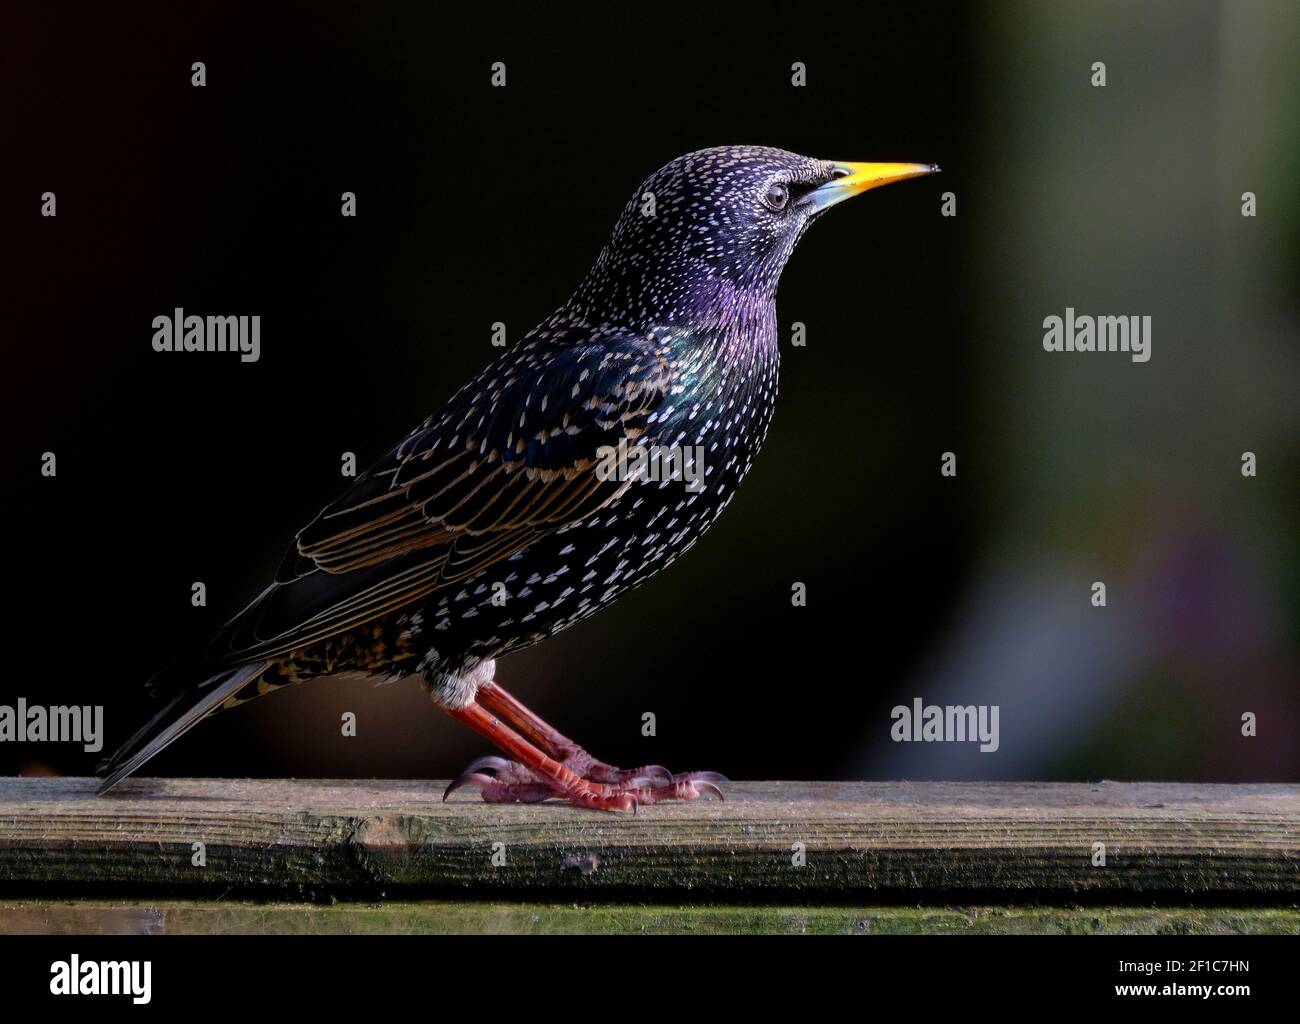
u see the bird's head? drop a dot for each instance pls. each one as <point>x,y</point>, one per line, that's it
<point>714,228</point>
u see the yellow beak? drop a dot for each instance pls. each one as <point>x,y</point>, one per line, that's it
<point>851,179</point>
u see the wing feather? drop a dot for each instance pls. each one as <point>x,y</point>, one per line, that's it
<point>513,456</point>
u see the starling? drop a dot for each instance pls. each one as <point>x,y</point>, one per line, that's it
<point>502,519</point>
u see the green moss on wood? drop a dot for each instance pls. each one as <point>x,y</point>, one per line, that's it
<point>436,917</point>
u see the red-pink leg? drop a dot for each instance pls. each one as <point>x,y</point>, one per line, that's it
<point>546,770</point>
<point>563,749</point>
<point>560,768</point>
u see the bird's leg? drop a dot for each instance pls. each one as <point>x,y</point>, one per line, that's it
<point>543,777</point>
<point>536,775</point>
<point>560,747</point>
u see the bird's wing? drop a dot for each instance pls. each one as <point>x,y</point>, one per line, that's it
<point>512,457</point>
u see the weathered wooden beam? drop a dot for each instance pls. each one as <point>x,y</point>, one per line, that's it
<point>940,842</point>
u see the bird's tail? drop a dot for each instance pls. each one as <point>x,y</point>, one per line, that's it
<point>182,709</point>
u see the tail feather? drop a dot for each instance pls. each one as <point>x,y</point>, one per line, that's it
<point>183,710</point>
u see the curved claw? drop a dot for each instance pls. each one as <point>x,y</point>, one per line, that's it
<point>464,778</point>
<point>474,773</point>
<point>710,788</point>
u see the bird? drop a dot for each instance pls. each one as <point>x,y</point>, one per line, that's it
<point>503,518</point>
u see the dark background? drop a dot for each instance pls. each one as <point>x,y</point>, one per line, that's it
<point>478,204</point>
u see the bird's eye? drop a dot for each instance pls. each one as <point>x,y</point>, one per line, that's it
<point>776,196</point>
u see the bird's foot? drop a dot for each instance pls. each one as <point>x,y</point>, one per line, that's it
<point>544,764</point>
<point>581,763</point>
<point>607,788</point>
